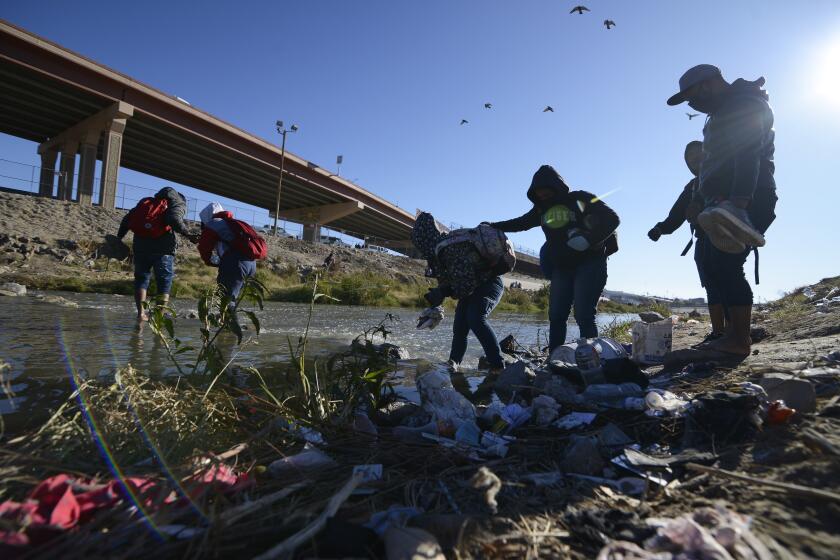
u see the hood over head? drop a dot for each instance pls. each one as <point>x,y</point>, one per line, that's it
<point>426,235</point>
<point>209,211</point>
<point>547,177</point>
<point>173,196</point>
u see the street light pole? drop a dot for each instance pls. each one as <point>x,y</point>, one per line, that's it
<point>282,130</point>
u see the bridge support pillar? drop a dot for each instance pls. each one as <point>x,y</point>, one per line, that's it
<point>67,168</point>
<point>109,122</point>
<point>87,168</point>
<point>47,178</point>
<point>111,151</point>
<point>312,233</point>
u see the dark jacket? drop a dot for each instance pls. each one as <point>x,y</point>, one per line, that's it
<point>167,243</point>
<point>677,215</point>
<point>564,212</point>
<point>738,147</point>
<point>459,268</point>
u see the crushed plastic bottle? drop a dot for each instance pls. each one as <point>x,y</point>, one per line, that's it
<point>609,394</point>
<point>661,402</point>
<point>779,413</point>
<point>586,355</point>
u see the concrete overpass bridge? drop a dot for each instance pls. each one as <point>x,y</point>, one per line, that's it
<point>72,105</point>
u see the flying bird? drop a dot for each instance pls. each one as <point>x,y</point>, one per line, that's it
<point>488,105</point>
<point>548,109</point>
<point>692,115</point>
<point>464,121</point>
<point>579,9</point>
<point>609,24</point>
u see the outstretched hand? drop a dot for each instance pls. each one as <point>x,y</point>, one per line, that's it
<point>655,233</point>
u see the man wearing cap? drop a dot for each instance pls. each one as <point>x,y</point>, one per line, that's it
<point>737,189</point>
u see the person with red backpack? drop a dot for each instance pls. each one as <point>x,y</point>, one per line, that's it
<point>154,221</point>
<point>230,244</point>
<point>463,273</point>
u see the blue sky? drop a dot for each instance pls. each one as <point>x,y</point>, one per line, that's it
<point>385,83</point>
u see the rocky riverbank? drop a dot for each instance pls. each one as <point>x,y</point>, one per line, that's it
<point>319,460</point>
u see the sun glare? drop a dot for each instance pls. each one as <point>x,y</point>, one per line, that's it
<point>827,74</point>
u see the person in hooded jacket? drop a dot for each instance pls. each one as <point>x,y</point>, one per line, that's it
<point>686,208</point>
<point>157,253</point>
<point>580,234</point>
<point>738,189</point>
<point>216,250</point>
<point>463,275</point>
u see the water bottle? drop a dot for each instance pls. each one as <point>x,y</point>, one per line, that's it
<point>586,355</point>
<point>613,395</point>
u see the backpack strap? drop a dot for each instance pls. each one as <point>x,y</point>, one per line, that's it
<point>755,253</point>
<point>690,242</point>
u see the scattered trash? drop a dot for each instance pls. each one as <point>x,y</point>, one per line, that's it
<point>613,396</point>
<point>410,543</point>
<point>469,433</point>
<point>495,444</point>
<point>660,402</point>
<point>779,413</point>
<point>513,416</point>
<point>491,484</point>
<point>651,341</point>
<point>612,438</point>
<point>448,407</point>
<point>721,417</point>
<point>624,462</point>
<point>706,533</point>
<point>302,433</point>
<point>310,459</point>
<point>627,485</point>
<point>797,393</point>
<point>575,420</point>
<point>369,473</point>
<point>545,410</point>
<point>394,516</point>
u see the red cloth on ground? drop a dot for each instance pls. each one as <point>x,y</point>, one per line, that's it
<point>61,503</point>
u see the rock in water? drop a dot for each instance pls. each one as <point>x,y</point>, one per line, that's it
<point>12,289</point>
<point>651,316</point>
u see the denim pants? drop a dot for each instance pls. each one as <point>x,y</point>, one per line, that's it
<point>163,266</point>
<point>233,270</point>
<point>723,275</point>
<point>582,286</point>
<point>471,315</point>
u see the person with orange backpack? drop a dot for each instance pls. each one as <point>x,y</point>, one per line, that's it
<point>154,222</point>
<point>231,245</point>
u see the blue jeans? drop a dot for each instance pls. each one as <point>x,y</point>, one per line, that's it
<point>233,270</point>
<point>164,267</point>
<point>582,286</point>
<point>471,315</point>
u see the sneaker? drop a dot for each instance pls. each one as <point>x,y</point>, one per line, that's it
<point>727,222</point>
<point>711,337</point>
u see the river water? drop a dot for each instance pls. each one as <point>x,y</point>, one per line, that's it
<point>44,342</point>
